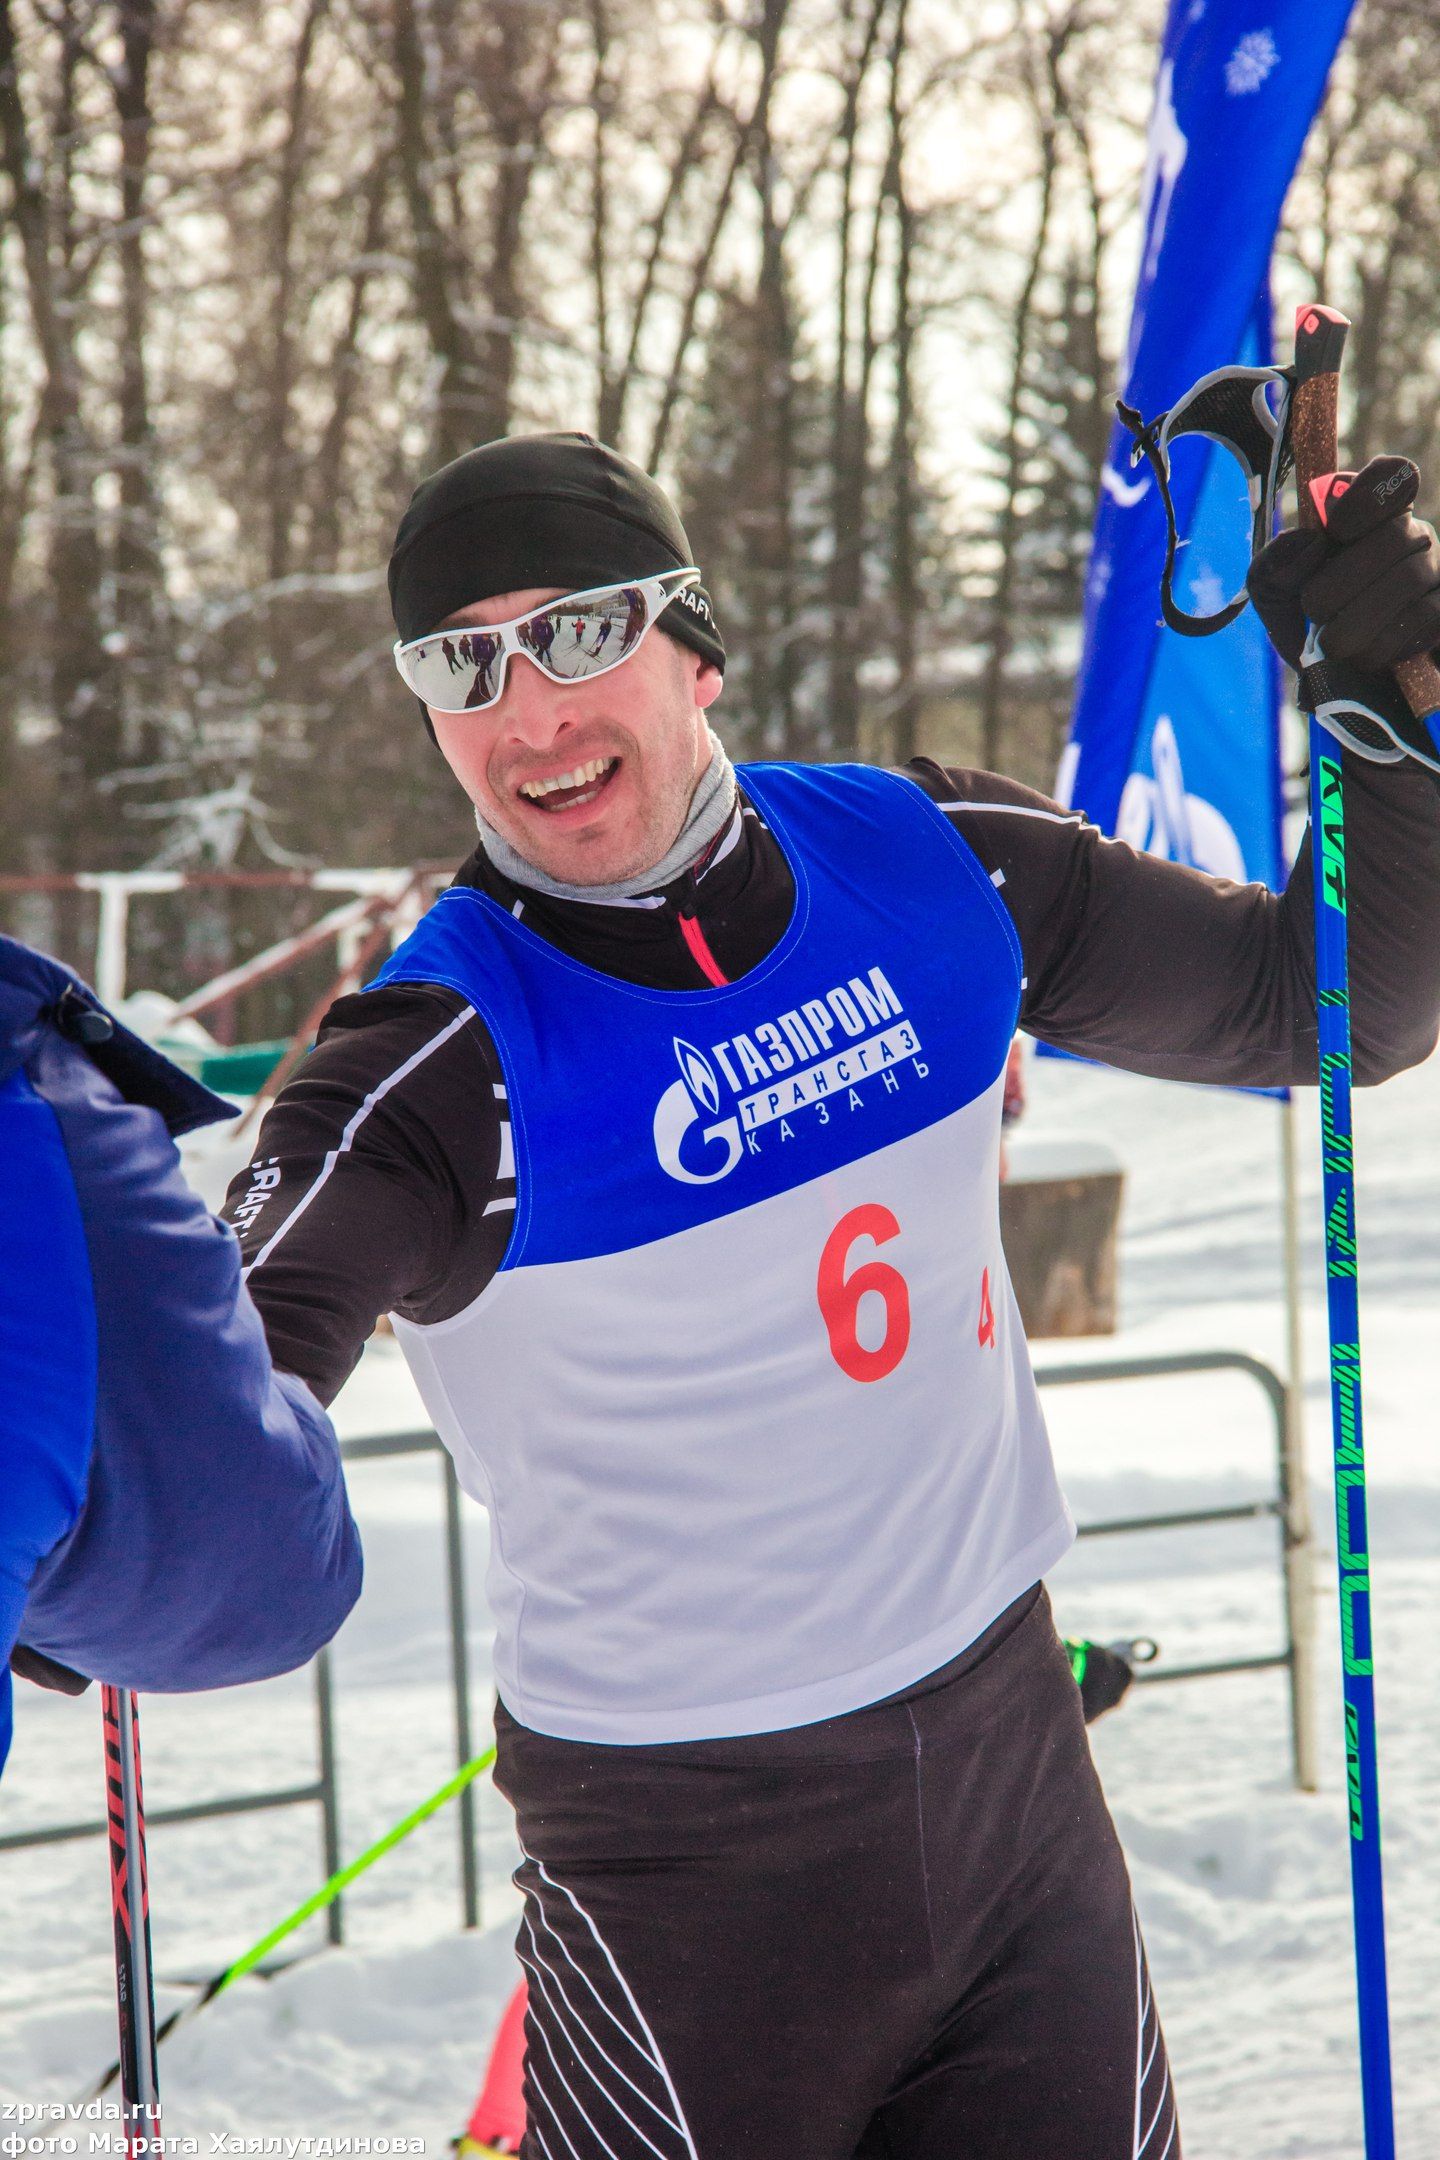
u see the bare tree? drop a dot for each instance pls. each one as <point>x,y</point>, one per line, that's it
<point>1363,227</point>
<point>906,594</point>
<point>471,299</point>
<point>262,267</point>
<point>80,676</point>
<point>1041,49</point>
<point>849,399</point>
<point>289,209</point>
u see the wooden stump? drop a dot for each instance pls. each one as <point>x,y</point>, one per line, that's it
<point>1059,1219</point>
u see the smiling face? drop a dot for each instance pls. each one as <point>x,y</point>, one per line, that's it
<point>589,781</point>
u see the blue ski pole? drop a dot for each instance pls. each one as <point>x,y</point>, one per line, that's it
<point>1319,344</point>
<point>1310,420</point>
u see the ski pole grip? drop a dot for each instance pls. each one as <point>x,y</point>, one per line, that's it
<point>1419,681</point>
<point>1314,436</point>
<point>1320,334</point>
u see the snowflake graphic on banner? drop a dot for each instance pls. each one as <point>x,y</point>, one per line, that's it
<point>1254,58</point>
<point>1208,593</point>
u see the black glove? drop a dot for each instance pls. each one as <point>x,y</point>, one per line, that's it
<point>46,1672</point>
<point>1101,1673</point>
<point>1369,584</point>
<point>1369,581</point>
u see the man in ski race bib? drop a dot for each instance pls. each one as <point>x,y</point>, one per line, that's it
<point>670,1141</point>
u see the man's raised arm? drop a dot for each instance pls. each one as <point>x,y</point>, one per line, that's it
<point>1159,969</point>
<point>1151,966</point>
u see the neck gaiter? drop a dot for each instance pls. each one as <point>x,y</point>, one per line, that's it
<point>710,809</point>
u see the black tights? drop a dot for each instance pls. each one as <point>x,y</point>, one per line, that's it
<point>904,1934</point>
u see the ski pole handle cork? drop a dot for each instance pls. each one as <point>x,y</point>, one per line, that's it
<point>1419,681</point>
<point>1320,334</point>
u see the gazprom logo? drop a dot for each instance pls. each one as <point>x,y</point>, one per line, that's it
<point>845,1047</point>
<point>699,1076</point>
<point>695,1158</point>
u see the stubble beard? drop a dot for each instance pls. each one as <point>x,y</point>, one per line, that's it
<point>571,860</point>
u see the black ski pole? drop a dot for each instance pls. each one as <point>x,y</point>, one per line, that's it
<point>316,1902</point>
<point>130,1905</point>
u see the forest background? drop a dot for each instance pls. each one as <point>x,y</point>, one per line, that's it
<point>850,275</point>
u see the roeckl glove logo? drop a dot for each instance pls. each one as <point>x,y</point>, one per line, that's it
<point>837,1053</point>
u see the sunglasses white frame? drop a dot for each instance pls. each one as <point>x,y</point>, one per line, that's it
<point>658,590</point>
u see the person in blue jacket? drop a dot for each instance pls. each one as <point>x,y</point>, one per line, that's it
<point>172,1510</point>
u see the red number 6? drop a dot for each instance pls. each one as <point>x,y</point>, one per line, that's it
<point>840,1295</point>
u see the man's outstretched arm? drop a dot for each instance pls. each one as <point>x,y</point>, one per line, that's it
<point>1158,969</point>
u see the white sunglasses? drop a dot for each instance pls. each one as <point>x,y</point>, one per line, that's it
<point>570,639</point>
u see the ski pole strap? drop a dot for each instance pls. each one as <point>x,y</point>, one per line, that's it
<point>1230,406</point>
<point>1255,414</point>
<point>1366,713</point>
<point>1369,714</point>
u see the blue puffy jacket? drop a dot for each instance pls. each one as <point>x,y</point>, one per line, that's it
<point>172,1509</point>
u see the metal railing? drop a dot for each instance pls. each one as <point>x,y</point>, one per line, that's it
<point>324,1788</point>
<point>1278,1506</point>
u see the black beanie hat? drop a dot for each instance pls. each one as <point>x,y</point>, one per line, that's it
<point>527,510</point>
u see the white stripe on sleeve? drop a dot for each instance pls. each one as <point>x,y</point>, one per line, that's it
<point>1015,809</point>
<point>347,1138</point>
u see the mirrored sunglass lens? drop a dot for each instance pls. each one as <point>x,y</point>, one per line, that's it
<point>573,640</point>
<point>457,672</point>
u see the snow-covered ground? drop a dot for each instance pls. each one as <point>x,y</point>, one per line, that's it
<point>1242,1883</point>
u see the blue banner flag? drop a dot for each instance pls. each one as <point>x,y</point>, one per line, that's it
<point>1175,741</point>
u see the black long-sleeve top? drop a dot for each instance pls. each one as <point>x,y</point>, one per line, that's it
<point>375,1168</point>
